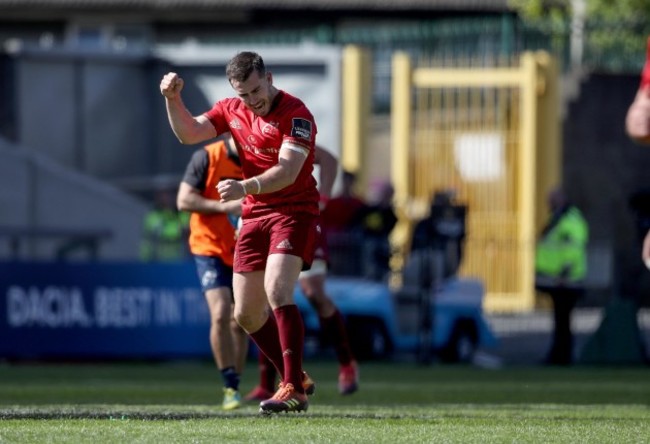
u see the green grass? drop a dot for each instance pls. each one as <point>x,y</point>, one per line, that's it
<point>398,402</point>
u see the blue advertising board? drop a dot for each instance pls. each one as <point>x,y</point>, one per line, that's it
<point>95,310</point>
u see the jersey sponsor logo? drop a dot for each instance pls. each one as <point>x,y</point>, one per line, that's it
<point>284,245</point>
<point>301,128</point>
<point>235,124</point>
<point>252,139</point>
<point>258,150</point>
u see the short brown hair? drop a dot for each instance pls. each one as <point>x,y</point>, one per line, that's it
<point>241,66</point>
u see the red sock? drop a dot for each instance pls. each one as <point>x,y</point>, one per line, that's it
<point>268,373</point>
<point>292,336</point>
<point>333,329</point>
<point>267,340</point>
<point>645,74</point>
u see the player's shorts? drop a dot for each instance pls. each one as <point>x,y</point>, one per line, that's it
<point>322,250</point>
<point>321,258</point>
<point>213,272</point>
<point>295,234</point>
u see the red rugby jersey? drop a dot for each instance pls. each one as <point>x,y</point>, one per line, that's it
<point>259,140</point>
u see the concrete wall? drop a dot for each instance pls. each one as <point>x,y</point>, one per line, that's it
<point>58,204</point>
<point>102,113</point>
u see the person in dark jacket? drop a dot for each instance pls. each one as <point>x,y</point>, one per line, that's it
<point>443,231</point>
<point>560,270</point>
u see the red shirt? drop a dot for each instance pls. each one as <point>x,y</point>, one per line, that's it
<point>342,213</point>
<point>211,234</point>
<point>259,140</point>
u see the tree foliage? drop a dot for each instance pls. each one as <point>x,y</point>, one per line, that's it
<point>619,10</point>
<point>610,10</point>
<point>615,31</point>
<point>541,10</point>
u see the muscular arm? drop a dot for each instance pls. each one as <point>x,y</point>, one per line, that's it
<point>188,129</point>
<point>279,176</point>
<point>283,173</point>
<point>190,199</point>
<point>328,169</point>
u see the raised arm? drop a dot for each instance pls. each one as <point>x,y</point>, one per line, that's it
<point>328,170</point>
<point>188,129</point>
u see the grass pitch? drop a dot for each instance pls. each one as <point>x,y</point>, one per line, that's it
<point>397,402</point>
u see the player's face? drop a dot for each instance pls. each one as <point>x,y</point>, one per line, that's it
<point>256,92</point>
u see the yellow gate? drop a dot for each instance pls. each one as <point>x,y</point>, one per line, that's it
<point>492,135</point>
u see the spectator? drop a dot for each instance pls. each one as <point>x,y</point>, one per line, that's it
<point>560,268</point>
<point>443,231</point>
<point>377,222</point>
<point>165,230</point>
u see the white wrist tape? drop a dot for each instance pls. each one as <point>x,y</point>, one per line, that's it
<point>259,186</point>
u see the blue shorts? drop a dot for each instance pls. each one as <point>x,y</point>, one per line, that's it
<point>213,273</point>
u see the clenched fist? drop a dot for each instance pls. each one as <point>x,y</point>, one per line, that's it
<point>231,189</point>
<point>171,85</point>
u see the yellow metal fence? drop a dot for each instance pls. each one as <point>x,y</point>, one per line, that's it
<point>479,132</point>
